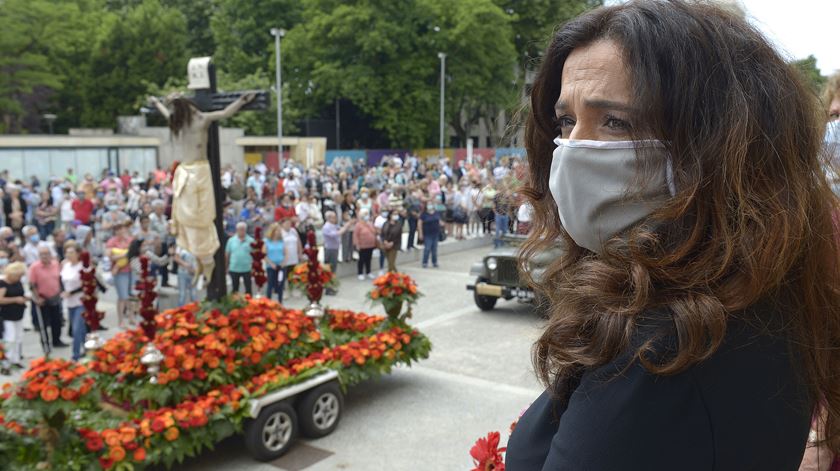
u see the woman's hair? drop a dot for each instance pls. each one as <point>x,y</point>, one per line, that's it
<point>831,90</point>
<point>181,116</point>
<point>751,219</point>
<point>273,230</point>
<point>15,269</point>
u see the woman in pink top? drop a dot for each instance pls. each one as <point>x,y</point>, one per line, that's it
<point>364,238</point>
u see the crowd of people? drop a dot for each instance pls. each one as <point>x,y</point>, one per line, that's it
<point>357,212</point>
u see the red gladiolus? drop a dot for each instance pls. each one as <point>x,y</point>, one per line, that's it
<point>487,455</point>
<point>146,286</point>
<point>257,256</point>
<point>88,277</point>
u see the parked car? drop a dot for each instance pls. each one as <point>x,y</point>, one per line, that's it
<point>498,276</point>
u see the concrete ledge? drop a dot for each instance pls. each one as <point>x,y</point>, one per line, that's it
<point>449,246</point>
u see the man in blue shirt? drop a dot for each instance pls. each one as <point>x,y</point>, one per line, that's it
<point>238,257</point>
<point>430,233</point>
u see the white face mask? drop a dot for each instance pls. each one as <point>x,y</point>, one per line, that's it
<point>589,181</point>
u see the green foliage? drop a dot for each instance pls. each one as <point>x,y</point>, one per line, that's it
<point>241,32</point>
<point>27,75</point>
<point>810,72</point>
<point>149,44</point>
<point>89,61</point>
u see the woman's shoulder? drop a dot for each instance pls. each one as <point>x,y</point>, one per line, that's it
<point>744,407</point>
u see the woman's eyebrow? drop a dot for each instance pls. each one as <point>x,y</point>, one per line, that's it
<point>597,103</point>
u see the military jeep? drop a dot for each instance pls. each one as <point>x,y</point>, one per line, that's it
<point>497,274</point>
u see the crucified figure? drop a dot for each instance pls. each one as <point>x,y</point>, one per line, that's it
<point>193,204</point>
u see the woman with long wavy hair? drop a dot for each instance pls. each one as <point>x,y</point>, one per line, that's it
<point>695,314</point>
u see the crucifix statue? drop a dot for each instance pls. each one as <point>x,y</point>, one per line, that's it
<point>196,204</point>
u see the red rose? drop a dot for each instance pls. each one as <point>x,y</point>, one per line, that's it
<point>94,443</point>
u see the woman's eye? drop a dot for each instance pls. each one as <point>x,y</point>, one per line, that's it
<point>564,122</point>
<point>616,124</point>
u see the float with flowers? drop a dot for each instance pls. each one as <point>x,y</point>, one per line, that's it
<point>192,376</point>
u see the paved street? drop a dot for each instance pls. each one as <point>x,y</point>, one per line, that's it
<point>477,379</point>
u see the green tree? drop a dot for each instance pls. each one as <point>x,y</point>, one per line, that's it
<point>241,32</point>
<point>200,40</point>
<point>32,30</point>
<point>811,73</point>
<point>477,37</point>
<point>144,44</point>
<point>382,56</point>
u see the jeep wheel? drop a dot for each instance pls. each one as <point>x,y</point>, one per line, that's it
<point>485,303</point>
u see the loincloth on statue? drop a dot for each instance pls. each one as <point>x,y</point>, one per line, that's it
<point>194,209</point>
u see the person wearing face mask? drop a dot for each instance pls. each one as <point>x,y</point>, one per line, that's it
<point>413,207</point>
<point>45,282</point>
<point>12,304</point>
<point>30,247</point>
<point>694,312</point>
<point>285,210</point>
<point>71,282</point>
<point>365,202</point>
<point>364,238</point>
<point>430,230</point>
<point>392,239</point>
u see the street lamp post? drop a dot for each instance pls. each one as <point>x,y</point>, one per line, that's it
<point>50,118</point>
<point>278,33</point>
<point>442,57</point>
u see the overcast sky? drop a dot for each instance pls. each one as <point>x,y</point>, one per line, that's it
<point>798,28</point>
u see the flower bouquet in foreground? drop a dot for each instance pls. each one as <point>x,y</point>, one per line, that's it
<point>486,453</point>
<point>393,290</point>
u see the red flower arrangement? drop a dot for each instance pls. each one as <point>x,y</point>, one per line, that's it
<point>487,456</point>
<point>89,299</point>
<point>157,429</point>
<point>392,290</point>
<point>204,349</point>
<point>257,256</point>
<point>352,321</point>
<point>299,277</point>
<point>53,380</point>
<point>146,286</point>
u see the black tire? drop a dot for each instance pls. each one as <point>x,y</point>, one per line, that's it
<point>272,433</point>
<point>319,410</point>
<point>485,303</point>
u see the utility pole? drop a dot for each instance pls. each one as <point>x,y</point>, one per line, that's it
<point>337,123</point>
<point>442,57</point>
<point>278,34</point>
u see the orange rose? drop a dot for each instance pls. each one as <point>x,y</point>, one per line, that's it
<point>139,454</point>
<point>68,394</point>
<point>172,434</point>
<point>117,454</point>
<point>49,393</point>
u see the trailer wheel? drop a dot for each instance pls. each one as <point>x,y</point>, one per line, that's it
<point>320,410</point>
<point>485,303</point>
<point>272,433</point>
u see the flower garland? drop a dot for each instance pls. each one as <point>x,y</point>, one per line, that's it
<point>352,321</point>
<point>257,256</point>
<point>89,299</point>
<point>392,290</point>
<point>315,285</point>
<point>48,381</point>
<point>146,286</point>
